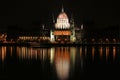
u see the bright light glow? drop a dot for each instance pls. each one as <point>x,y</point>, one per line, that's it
<point>3,53</point>
<point>62,63</point>
<point>82,27</point>
<point>101,52</point>
<point>52,55</point>
<point>63,15</point>
<point>107,52</point>
<point>114,52</point>
<point>62,33</point>
<point>62,21</point>
<point>33,53</point>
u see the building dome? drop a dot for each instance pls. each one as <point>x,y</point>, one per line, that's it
<point>62,15</point>
<point>62,21</point>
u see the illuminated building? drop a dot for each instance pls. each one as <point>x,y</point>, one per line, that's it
<point>42,36</point>
<point>79,33</point>
<point>64,30</point>
<point>3,37</point>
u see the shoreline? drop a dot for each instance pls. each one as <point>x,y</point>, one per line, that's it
<point>55,44</point>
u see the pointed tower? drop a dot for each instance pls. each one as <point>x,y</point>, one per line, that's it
<point>43,26</point>
<point>53,19</point>
<point>62,9</point>
<point>82,27</point>
<point>52,37</point>
<point>72,23</point>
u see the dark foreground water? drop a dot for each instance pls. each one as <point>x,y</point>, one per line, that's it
<point>60,63</point>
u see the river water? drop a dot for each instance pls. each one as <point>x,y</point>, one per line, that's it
<point>60,63</point>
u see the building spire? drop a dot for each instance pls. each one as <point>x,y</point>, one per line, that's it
<point>62,8</point>
<point>43,27</point>
<point>82,27</point>
<point>72,19</point>
<point>53,18</point>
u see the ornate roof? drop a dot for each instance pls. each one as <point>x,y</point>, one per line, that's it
<point>62,15</point>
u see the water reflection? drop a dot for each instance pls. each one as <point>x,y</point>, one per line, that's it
<point>72,56</point>
<point>114,52</point>
<point>85,50</point>
<point>52,53</point>
<point>3,53</point>
<point>11,50</point>
<point>101,52</point>
<point>80,52</point>
<point>32,53</point>
<point>93,52</point>
<point>64,60</point>
<point>107,52</point>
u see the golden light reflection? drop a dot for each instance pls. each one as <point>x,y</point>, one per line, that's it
<point>52,55</point>
<point>18,52</point>
<point>73,54</point>
<point>107,52</point>
<point>23,52</point>
<point>2,53</point>
<point>101,52</point>
<point>11,51</point>
<point>32,53</point>
<point>62,62</point>
<point>93,52</point>
<point>114,52</point>
<point>85,51</point>
<point>44,54</point>
<point>80,52</point>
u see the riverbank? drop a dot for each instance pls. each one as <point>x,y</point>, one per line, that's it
<point>57,45</point>
<point>14,44</point>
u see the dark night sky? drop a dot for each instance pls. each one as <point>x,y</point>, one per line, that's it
<point>26,13</point>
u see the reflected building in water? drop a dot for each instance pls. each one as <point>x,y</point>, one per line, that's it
<point>56,55</point>
<point>3,53</point>
<point>63,60</point>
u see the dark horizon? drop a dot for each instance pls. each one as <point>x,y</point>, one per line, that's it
<point>26,14</point>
